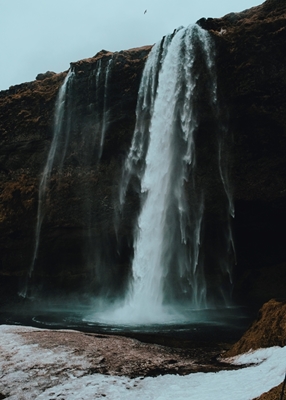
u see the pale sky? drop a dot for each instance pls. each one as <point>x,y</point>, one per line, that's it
<point>41,35</point>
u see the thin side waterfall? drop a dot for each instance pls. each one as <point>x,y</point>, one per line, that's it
<point>44,182</point>
<point>98,73</point>
<point>78,138</point>
<point>169,268</point>
<point>96,253</point>
<point>105,113</point>
<point>229,211</point>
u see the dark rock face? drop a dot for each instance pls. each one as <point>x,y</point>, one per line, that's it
<point>251,63</point>
<point>251,69</point>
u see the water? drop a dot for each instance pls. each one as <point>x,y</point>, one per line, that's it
<point>135,161</point>
<point>168,268</point>
<point>78,138</point>
<point>206,326</point>
<point>183,244</point>
<point>105,110</point>
<point>46,174</point>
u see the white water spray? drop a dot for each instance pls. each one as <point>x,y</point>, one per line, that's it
<point>157,182</point>
<point>135,161</point>
<point>167,249</point>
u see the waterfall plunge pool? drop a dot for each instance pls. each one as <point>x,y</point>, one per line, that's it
<point>203,328</point>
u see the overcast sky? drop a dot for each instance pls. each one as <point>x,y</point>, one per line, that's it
<point>41,35</point>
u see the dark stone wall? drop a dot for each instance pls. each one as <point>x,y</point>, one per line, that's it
<point>251,76</point>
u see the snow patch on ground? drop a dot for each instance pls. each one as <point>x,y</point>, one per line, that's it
<point>31,372</point>
<point>27,369</point>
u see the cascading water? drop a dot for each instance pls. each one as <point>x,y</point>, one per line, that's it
<point>169,267</point>
<point>58,131</point>
<point>44,182</point>
<point>183,245</point>
<point>105,112</point>
<point>135,162</point>
<point>69,147</point>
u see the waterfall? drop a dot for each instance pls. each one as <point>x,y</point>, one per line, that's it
<point>135,161</point>
<point>105,112</point>
<point>46,174</point>
<point>78,138</point>
<point>44,182</point>
<point>170,265</point>
<point>176,166</point>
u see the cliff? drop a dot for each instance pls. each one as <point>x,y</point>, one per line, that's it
<point>251,69</point>
<point>250,63</point>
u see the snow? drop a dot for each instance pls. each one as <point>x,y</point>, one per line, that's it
<point>31,372</point>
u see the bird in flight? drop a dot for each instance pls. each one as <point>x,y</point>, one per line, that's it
<point>145,11</point>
